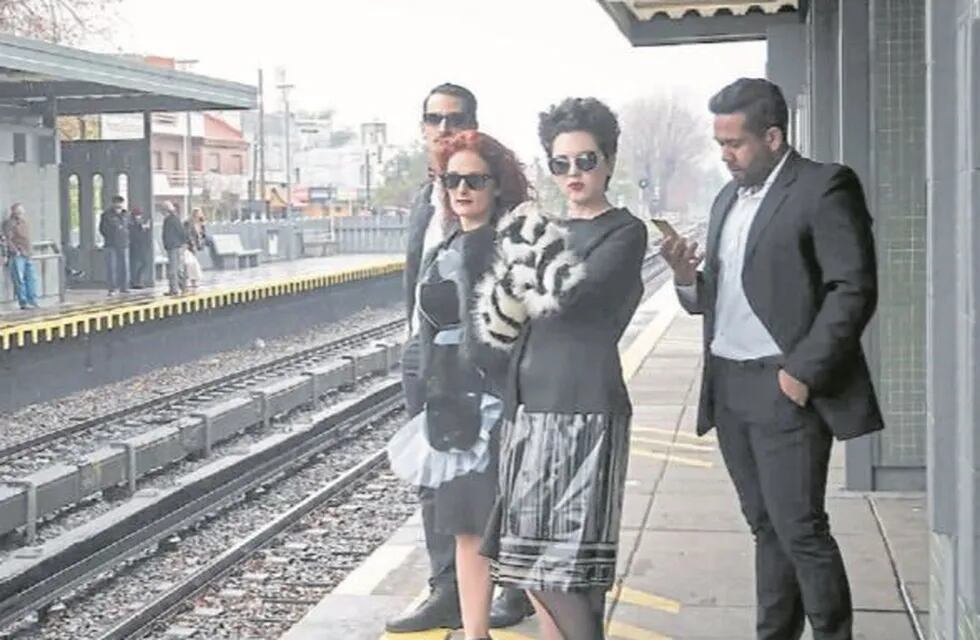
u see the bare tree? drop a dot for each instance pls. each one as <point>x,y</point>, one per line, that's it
<point>404,174</point>
<point>59,21</point>
<point>664,143</point>
<point>543,187</point>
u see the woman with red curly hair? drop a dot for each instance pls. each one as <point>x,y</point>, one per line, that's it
<point>452,446</point>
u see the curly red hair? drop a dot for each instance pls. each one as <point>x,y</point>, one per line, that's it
<point>506,170</point>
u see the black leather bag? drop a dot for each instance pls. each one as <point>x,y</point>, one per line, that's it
<point>453,386</point>
<point>452,410</point>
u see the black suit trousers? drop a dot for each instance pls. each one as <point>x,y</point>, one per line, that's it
<point>777,454</point>
<point>441,547</point>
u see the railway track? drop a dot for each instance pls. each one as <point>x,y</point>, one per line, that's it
<point>153,522</point>
<point>200,393</point>
<point>55,579</point>
<point>207,603</point>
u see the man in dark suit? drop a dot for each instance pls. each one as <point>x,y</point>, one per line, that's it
<point>446,110</point>
<point>788,285</point>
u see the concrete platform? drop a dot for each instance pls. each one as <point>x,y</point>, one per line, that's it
<point>59,351</point>
<point>686,560</point>
<point>88,310</point>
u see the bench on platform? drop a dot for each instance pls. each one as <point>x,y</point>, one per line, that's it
<point>322,239</point>
<point>228,249</point>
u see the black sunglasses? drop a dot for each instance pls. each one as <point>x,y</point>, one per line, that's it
<point>561,165</point>
<point>475,181</point>
<point>454,120</point>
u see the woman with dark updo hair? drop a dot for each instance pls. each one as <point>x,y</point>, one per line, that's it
<point>559,298</point>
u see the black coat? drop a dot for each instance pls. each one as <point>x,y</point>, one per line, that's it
<point>456,373</point>
<point>140,231</point>
<point>567,361</point>
<point>114,228</point>
<point>478,252</point>
<point>174,236</point>
<point>810,275</point>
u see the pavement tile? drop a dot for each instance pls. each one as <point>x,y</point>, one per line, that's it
<point>663,415</point>
<point>695,547</point>
<point>710,570</point>
<point>348,617</point>
<point>403,580</point>
<point>701,622</point>
<point>701,513</point>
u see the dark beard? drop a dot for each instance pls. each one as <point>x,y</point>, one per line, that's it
<point>759,171</point>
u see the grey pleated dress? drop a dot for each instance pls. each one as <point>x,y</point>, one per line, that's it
<point>565,440</point>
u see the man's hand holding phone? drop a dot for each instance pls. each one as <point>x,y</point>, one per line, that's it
<point>680,254</point>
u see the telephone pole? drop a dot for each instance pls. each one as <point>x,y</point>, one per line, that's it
<point>261,144</point>
<point>285,88</point>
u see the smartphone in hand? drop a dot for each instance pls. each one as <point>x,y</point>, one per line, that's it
<point>665,228</point>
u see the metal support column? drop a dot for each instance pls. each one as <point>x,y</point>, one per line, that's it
<point>149,276</point>
<point>854,106</point>
<point>822,80</point>
<point>786,66</point>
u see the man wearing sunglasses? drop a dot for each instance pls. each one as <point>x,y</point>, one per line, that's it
<point>447,110</point>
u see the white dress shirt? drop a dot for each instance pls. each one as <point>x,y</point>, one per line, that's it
<point>739,333</point>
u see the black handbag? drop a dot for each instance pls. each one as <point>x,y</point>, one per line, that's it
<point>453,385</point>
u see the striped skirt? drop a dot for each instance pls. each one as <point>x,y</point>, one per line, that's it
<point>556,523</point>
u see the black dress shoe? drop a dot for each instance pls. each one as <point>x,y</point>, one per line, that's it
<point>509,608</point>
<point>439,611</point>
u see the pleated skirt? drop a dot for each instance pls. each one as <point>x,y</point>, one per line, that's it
<point>555,525</point>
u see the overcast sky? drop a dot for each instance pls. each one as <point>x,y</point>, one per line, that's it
<point>377,58</point>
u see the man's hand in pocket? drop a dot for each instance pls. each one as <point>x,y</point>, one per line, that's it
<point>793,388</point>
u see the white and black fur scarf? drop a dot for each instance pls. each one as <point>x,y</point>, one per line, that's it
<point>534,269</point>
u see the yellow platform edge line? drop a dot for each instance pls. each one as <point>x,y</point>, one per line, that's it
<point>684,446</point>
<point>431,634</point>
<point>670,457</point>
<point>629,632</point>
<point>100,317</point>
<point>643,599</point>
<point>665,301</point>
<point>503,634</point>
<point>679,434</point>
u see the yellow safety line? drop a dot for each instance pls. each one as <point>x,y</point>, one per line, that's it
<point>643,344</point>
<point>644,599</point>
<point>629,632</point>
<point>503,634</point>
<point>431,634</point>
<point>102,317</point>
<point>675,445</point>
<point>669,457</point>
<point>671,432</point>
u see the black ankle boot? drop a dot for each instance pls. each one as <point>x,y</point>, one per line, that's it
<point>439,611</point>
<point>509,608</point>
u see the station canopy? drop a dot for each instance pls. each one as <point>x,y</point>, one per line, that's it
<point>660,22</point>
<point>33,74</point>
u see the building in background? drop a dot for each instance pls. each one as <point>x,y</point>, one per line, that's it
<point>57,102</point>
<point>220,158</point>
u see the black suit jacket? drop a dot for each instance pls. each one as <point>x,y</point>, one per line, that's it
<point>810,275</point>
<point>418,221</point>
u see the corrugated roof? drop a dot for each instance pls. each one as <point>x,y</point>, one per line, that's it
<point>647,9</point>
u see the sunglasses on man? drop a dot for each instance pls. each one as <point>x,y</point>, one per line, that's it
<point>585,162</point>
<point>454,120</point>
<point>475,181</point>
